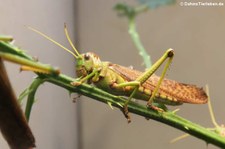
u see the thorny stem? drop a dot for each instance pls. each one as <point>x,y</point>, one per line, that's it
<point>218,129</point>
<point>169,118</point>
<point>31,96</point>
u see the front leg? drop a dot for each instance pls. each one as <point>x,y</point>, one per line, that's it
<point>84,79</point>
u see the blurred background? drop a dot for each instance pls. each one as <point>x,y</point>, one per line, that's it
<point>195,33</point>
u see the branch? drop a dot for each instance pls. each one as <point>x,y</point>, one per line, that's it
<point>131,13</point>
<point>169,118</point>
<point>31,96</point>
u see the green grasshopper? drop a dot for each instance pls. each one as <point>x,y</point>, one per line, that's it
<point>124,81</point>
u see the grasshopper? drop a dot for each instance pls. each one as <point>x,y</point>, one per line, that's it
<point>124,81</point>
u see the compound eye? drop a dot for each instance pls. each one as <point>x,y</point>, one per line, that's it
<point>86,57</point>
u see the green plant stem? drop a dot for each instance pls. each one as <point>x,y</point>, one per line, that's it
<point>31,96</point>
<point>168,118</point>
<point>16,55</point>
<point>137,42</point>
<point>131,13</point>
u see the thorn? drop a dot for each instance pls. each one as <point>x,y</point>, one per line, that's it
<point>119,104</point>
<point>175,111</point>
<point>179,138</point>
<point>186,127</point>
<point>76,97</point>
<point>75,83</point>
<point>147,118</point>
<point>110,105</point>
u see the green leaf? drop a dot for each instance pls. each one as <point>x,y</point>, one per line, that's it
<point>156,3</point>
<point>124,10</point>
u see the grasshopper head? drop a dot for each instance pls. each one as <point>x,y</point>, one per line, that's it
<point>86,63</point>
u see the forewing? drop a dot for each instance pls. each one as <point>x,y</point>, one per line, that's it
<point>169,88</point>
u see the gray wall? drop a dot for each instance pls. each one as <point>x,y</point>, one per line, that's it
<point>197,36</point>
<point>195,33</point>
